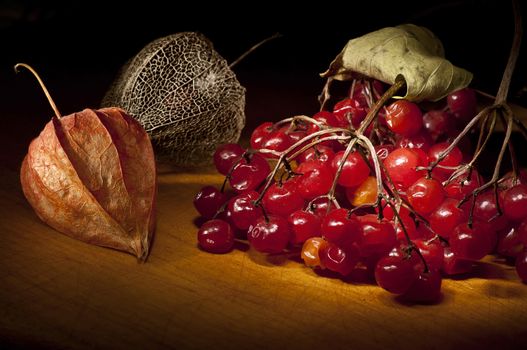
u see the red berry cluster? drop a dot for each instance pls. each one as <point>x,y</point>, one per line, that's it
<point>367,186</point>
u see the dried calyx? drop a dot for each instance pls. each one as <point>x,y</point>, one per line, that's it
<point>91,175</point>
<point>184,94</point>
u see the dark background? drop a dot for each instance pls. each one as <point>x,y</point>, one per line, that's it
<point>78,47</point>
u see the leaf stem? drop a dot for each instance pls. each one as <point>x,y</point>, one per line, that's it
<point>46,92</point>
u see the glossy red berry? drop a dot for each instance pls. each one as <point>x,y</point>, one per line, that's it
<point>283,199</point>
<point>486,210</point>
<point>463,103</point>
<point>432,251</point>
<point>425,195</point>
<point>453,265</point>
<point>316,179</point>
<point>452,160</point>
<point>249,173</point>
<point>226,155</point>
<point>378,236</point>
<point>269,236</point>
<point>425,289</point>
<point>354,171</point>
<point>437,123</point>
<point>404,118</point>
<point>420,140</point>
<point>321,154</point>
<point>339,259</point>
<point>401,165</point>
<point>446,217</point>
<point>515,202</point>
<point>472,243</point>
<point>338,228</point>
<point>349,112</point>
<point>242,211</point>
<point>510,243</point>
<point>208,201</point>
<point>462,185</point>
<point>395,273</point>
<point>260,134</point>
<point>216,236</point>
<point>304,225</point>
<point>277,141</point>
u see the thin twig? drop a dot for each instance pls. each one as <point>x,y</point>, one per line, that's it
<point>246,53</point>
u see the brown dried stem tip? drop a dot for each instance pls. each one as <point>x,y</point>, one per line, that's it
<point>46,92</point>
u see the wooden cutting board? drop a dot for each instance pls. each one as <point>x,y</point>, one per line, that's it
<point>58,293</point>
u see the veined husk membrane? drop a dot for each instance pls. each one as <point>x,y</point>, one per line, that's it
<point>91,175</point>
<point>185,95</point>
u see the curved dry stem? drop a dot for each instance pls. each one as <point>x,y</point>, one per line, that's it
<point>324,96</point>
<point>46,92</point>
<point>246,53</point>
<point>372,114</point>
<point>283,155</point>
<point>503,90</point>
<point>455,142</point>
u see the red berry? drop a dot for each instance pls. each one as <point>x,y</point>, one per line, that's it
<point>432,251</point>
<point>395,273</point>
<point>420,140</point>
<point>453,265</point>
<point>425,195</point>
<point>338,228</point>
<point>437,123</point>
<point>461,186</point>
<point>401,165</point>
<point>260,134</point>
<point>216,236</point>
<point>269,236</point>
<point>453,159</point>
<point>354,171</point>
<point>471,243</point>
<point>515,202</point>
<point>463,103</point>
<point>249,173</point>
<point>409,226</point>
<point>485,210</point>
<point>349,111</point>
<point>226,155</point>
<point>303,225</point>
<point>277,141</point>
<point>446,217</point>
<point>315,181</point>
<point>378,236</point>
<point>510,243</point>
<point>208,201</point>
<point>318,153</point>
<point>242,211</point>
<point>425,289</point>
<point>338,259</point>
<point>283,199</point>
<point>404,118</point>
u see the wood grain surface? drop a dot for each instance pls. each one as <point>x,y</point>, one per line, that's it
<point>60,293</point>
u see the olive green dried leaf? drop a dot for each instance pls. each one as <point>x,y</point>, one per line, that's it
<point>408,50</point>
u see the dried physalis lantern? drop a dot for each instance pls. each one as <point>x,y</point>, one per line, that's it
<point>184,94</point>
<point>91,175</point>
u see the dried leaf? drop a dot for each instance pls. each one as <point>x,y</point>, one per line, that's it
<point>91,175</point>
<point>408,50</point>
<point>184,94</point>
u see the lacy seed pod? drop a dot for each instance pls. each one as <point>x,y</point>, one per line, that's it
<point>185,96</point>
